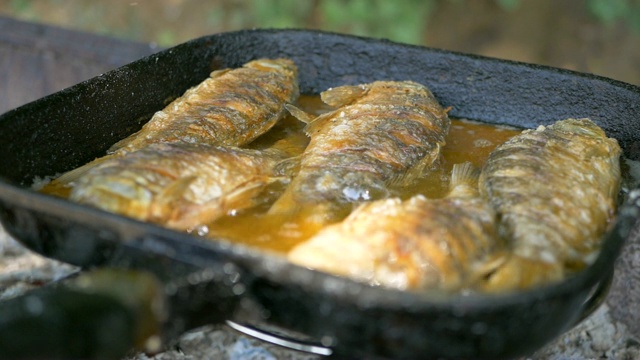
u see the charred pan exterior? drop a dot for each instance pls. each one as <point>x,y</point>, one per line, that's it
<point>381,134</point>
<point>555,189</point>
<point>232,107</point>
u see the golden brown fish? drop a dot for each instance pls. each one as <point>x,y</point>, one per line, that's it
<point>417,243</point>
<point>381,134</point>
<point>232,107</point>
<point>555,190</point>
<point>177,185</point>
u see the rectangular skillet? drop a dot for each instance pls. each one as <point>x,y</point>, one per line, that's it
<point>69,128</point>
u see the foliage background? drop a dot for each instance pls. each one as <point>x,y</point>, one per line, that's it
<point>596,36</point>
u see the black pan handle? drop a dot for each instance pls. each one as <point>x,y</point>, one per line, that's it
<point>201,286</point>
<point>145,295</point>
<point>100,314</point>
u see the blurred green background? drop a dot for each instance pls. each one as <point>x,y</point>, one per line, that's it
<point>596,36</point>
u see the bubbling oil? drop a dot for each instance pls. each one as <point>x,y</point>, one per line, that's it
<point>466,141</point>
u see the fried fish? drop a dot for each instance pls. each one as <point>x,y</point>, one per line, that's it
<point>178,185</point>
<point>555,190</point>
<point>380,135</point>
<point>418,243</point>
<point>231,107</point>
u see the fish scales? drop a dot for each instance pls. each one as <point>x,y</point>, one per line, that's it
<point>232,107</point>
<point>381,134</point>
<point>555,189</point>
<point>177,185</point>
<point>418,243</point>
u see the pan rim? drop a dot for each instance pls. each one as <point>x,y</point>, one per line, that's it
<point>270,265</point>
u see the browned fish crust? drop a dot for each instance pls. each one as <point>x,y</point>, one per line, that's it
<point>232,107</point>
<point>382,134</point>
<point>418,243</point>
<point>177,185</point>
<point>555,190</point>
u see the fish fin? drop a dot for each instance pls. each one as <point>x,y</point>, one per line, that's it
<point>186,215</point>
<point>314,215</point>
<point>488,266</point>
<point>400,180</point>
<point>285,204</point>
<point>289,207</point>
<point>412,173</point>
<point>309,119</point>
<point>319,122</point>
<point>245,196</point>
<point>299,114</point>
<point>124,142</point>
<point>464,174</point>
<point>249,191</point>
<point>164,205</point>
<point>176,189</point>
<point>518,272</point>
<point>73,175</point>
<point>190,216</point>
<point>343,95</point>
<point>217,73</point>
<point>464,180</point>
<point>292,145</point>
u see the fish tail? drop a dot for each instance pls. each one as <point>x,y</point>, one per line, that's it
<point>464,180</point>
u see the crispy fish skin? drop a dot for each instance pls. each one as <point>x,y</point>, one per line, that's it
<point>231,107</point>
<point>381,134</point>
<point>555,189</point>
<point>177,185</point>
<point>417,244</point>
